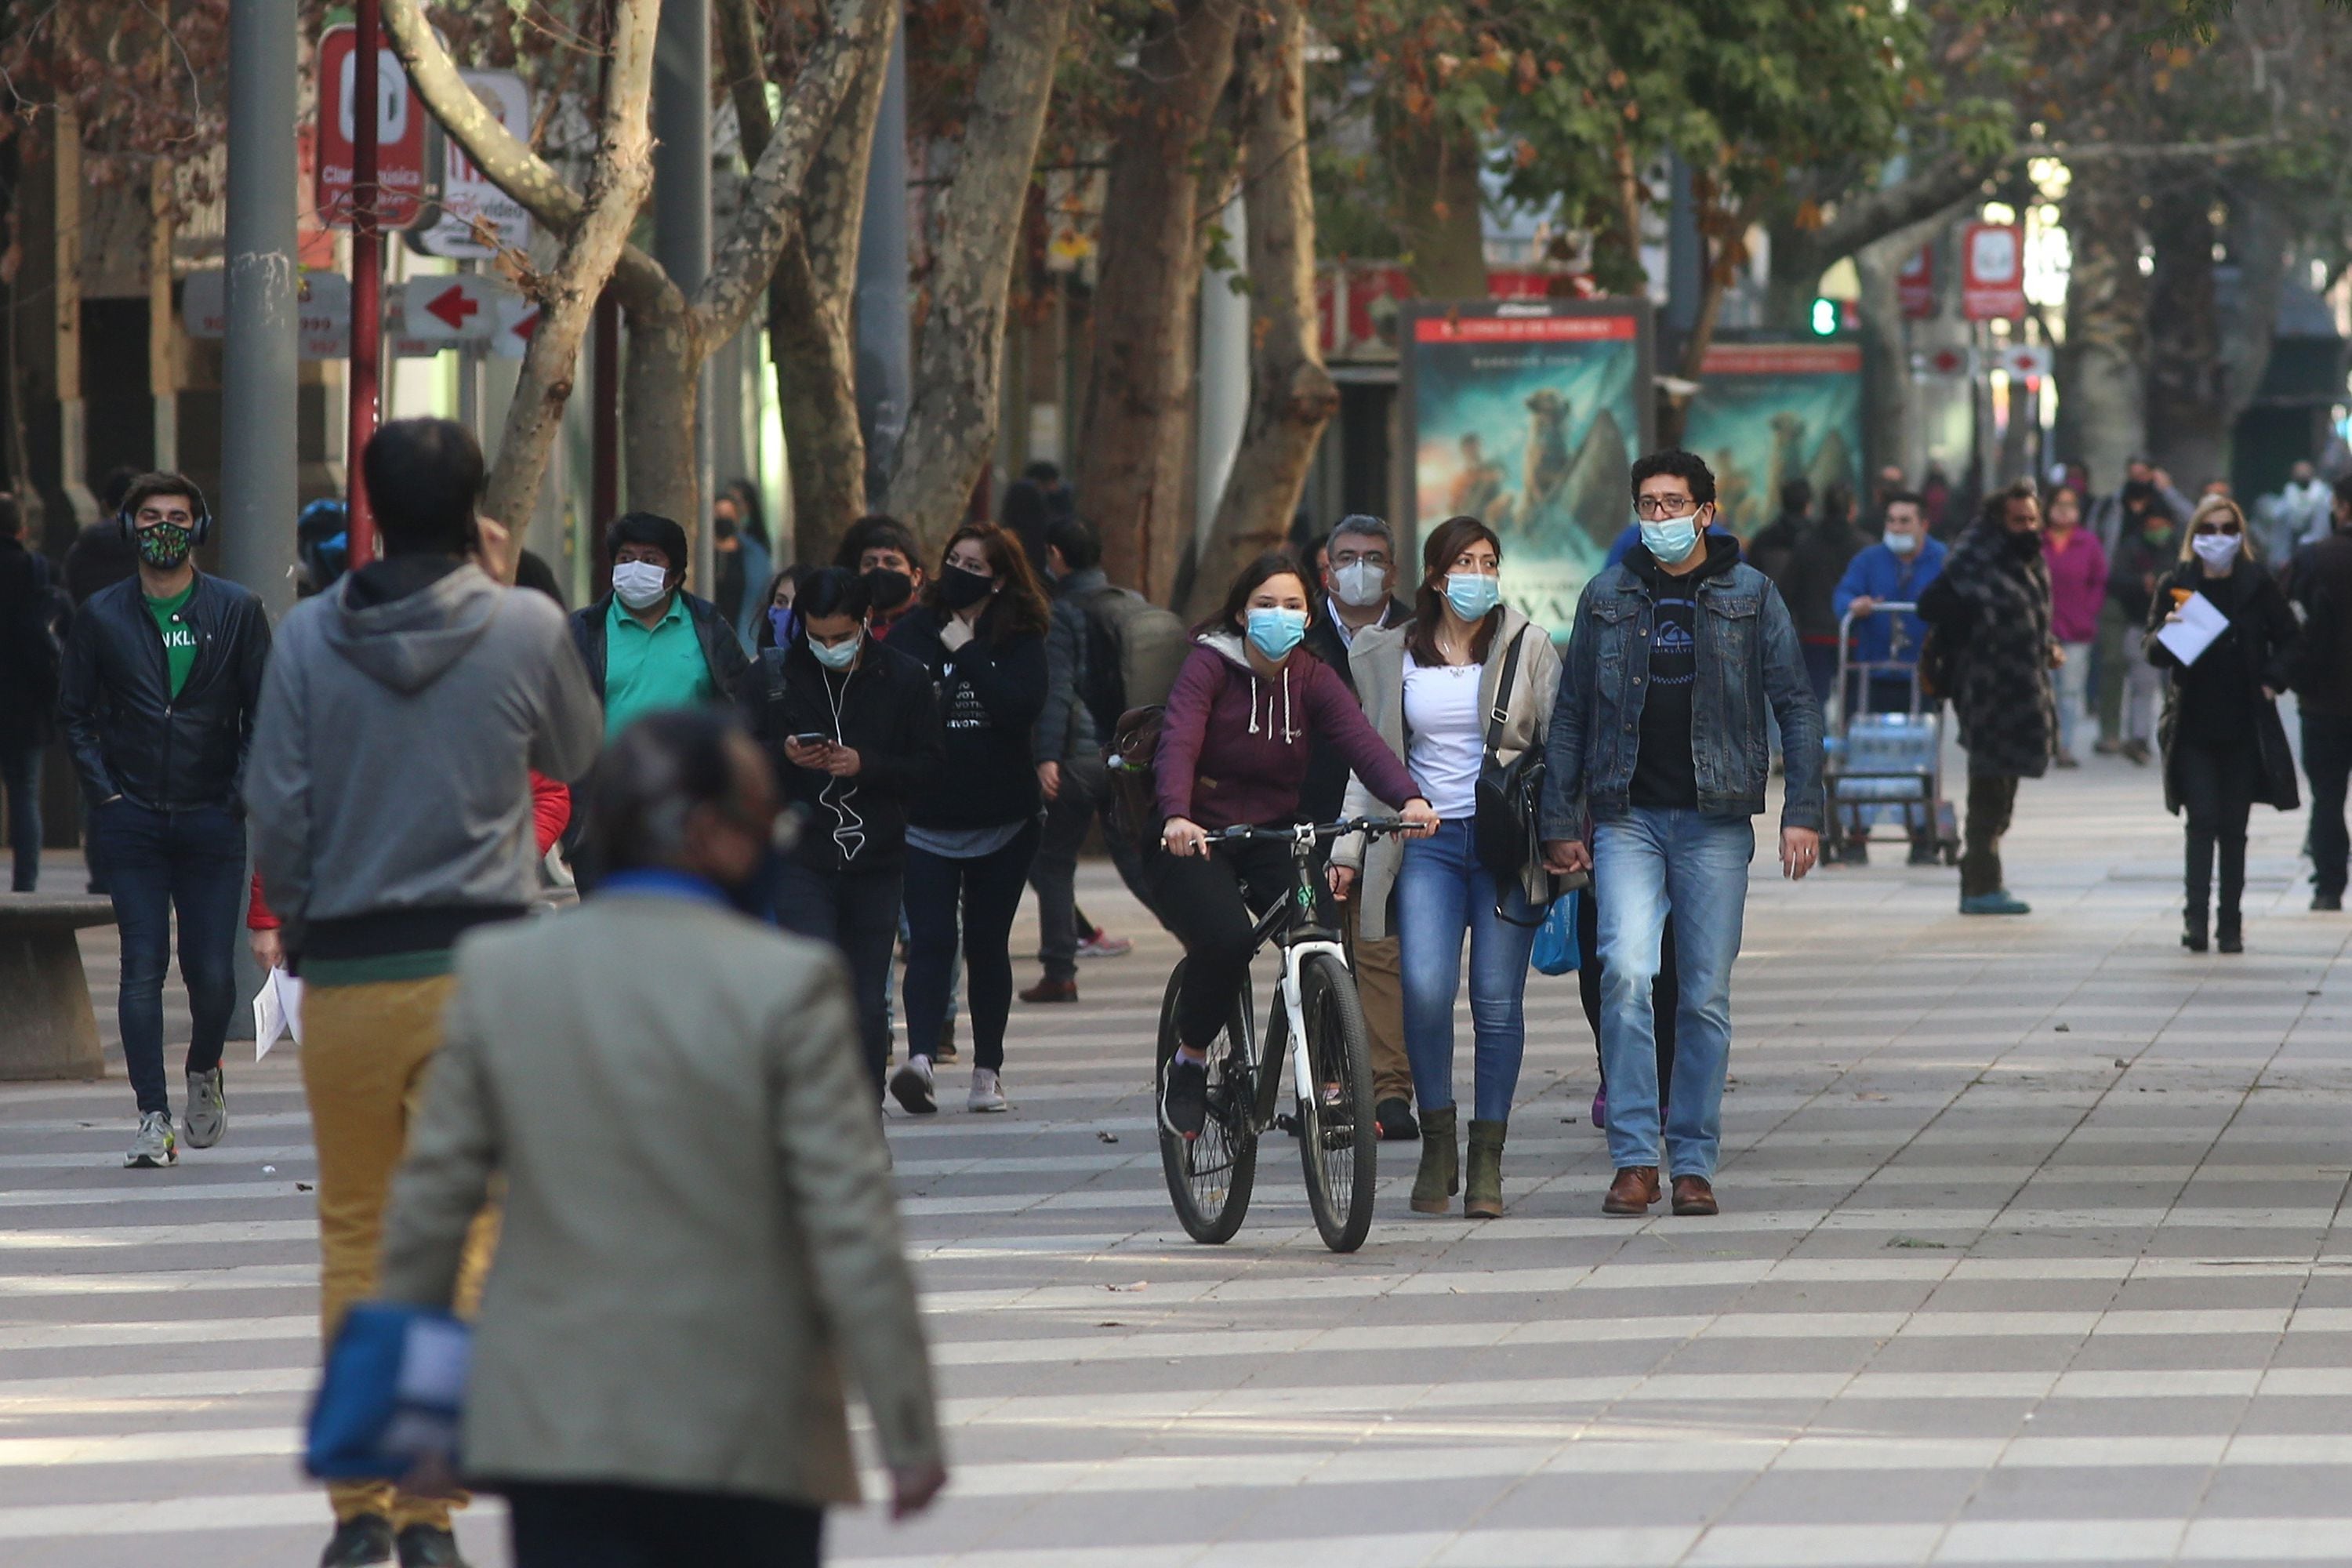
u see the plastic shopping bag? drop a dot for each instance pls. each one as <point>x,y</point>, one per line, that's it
<point>1555,951</point>
<point>393,1394</point>
<point>277,1011</point>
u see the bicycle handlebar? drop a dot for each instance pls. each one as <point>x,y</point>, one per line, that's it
<point>1375,827</point>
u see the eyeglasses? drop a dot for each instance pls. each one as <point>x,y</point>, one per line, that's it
<point>1656,507</point>
<point>2232,529</point>
<point>1376,559</point>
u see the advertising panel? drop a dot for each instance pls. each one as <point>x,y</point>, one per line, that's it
<point>1771,412</point>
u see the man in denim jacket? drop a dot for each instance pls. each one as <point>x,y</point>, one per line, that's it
<point>1657,763</point>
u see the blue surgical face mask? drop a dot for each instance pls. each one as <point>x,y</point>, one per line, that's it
<point>836,656</point>
<point>781,620</point>
<point>1274,632</point>
<point>1670,538</point>
<point>1472,594</point>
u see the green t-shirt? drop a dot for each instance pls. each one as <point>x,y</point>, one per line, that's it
<point>179,636</point>
<point>647,670</point>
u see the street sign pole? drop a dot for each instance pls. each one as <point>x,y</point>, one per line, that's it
<point>259,284</point>
<point>367,276</point>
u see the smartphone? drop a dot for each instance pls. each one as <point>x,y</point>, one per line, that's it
<point>811,739</point>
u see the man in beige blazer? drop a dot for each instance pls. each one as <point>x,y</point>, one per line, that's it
<point>697,1230</point>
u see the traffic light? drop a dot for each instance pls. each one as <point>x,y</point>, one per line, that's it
<point>1824,318</point>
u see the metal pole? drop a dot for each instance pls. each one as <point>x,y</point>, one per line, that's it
<point>258,443</point>
<point>682,203</point>
<point>885,372</point>
<point>367,274</point>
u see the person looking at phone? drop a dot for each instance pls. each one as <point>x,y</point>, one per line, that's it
<point>852,729</point>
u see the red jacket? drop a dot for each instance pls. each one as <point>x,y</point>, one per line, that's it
<point>551,809</point>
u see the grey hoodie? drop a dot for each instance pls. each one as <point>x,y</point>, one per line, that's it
<point>391,760</point>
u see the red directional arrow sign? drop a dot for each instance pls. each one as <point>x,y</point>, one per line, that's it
<point>455,306</point>
<point>453,311</point>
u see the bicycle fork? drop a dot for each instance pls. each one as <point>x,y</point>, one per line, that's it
<point>1294,959</point>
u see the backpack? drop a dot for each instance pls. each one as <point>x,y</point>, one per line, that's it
<point>1134,651</point>
<point>1131,766</point>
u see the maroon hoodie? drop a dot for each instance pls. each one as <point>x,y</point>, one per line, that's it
<point>1233,746</point>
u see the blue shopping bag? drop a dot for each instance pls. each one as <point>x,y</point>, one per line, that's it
<point>1555,949</point>
<point>392,1396</point>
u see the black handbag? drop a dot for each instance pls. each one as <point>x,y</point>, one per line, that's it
<point>1508,828</point>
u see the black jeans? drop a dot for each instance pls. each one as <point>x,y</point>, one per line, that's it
<point>1054,874</point>
<point>602,1525</point>
<point>2217,794</point>
<point>20,776</point>
<point>1665,991</point>
<point>987,889</point>
<point>2327,762</point>
<point>1212,906</point>
<point>157,863</point>
<point>857,912</point>
<point>1992,800</point>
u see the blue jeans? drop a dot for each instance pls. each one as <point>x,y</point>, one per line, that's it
<point>1651,861</point>
<point>20,778</point>
<point>1443,893</point>
<point>157,862</point>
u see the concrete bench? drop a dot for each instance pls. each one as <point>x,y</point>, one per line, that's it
<point>47,1027</point>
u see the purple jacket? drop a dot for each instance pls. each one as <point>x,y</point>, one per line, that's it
<point>2078,585</point>
<point>1233,747</point>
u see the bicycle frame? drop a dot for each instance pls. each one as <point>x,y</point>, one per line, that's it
<point>1291,923</point>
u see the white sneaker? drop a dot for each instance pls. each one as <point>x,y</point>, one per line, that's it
<point>207,1116</point>
<point>155,1146</point>
<point>911,1086</point>
<point>987,1091</point>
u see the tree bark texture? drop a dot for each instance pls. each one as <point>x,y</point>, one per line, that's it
<point>959,351</point>
<point>1133,438</point>
<point>1291,397</point>
<point>618,179</point>
<point>2187,427</point>
<point>2102,366</point>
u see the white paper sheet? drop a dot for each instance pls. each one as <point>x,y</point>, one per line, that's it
<point>277,1011</point>
<point>2200,622</point>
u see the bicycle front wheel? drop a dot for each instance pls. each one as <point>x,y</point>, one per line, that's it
<point>1210,1177</point>
<point>1337,1136</point>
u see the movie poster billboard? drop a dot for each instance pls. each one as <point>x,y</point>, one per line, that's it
<point>1771,412</point>
<point>1528,414</point>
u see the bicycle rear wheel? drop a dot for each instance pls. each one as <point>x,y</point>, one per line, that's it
<point>1210,1178</point>
<point>1338,1138</point>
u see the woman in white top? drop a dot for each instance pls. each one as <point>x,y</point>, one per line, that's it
<point>1430,687</point>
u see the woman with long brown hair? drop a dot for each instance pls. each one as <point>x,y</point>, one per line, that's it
<point>972,827</point>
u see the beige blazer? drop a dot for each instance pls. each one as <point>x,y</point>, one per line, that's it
<point>1377,661</point>
<point>698,1225</point>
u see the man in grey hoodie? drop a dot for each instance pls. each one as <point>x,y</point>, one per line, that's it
<point>390,800</point>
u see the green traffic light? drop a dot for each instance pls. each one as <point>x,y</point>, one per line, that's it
<point>1825,317</point>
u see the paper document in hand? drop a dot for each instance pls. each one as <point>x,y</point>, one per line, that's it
<point>2200,622</point>
<point>277,1010</point>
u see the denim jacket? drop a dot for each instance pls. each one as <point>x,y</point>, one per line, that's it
<point>1748,658</point>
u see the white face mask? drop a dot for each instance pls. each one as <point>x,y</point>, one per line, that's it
<point>2216,550</point>
<point>640,584</point>
<point>1902,543</point>
<point>1359,584</point>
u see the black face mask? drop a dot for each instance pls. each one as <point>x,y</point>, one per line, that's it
<point>886,590</point>
<point>961,590</point>
<point>2025,545</point>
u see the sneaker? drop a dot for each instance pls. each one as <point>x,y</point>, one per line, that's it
<point>207,1116</point>
<point>429,1546</point>
<point>1999,902</point>
<point>911,1086</point>
<point>359,1542</point>
<point>987,1091</point>
<point>1185,1102</point>
<point>1394,1118</point>
<point>155,1145</point>
<point>2136,751</point>
<point>947,1051</point>
<point>1102,944</point>
<point>2331,903</point>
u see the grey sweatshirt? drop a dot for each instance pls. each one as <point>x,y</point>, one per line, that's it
<point>390,760</point>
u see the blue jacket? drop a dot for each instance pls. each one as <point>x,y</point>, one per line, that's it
<point>1879,573</point>
<point>1748,662</point>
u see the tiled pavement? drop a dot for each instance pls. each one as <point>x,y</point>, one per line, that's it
<point>2033,1253</point>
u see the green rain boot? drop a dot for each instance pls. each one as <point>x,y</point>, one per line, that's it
<point>1440,1176</point>
<point>1485,1198</point>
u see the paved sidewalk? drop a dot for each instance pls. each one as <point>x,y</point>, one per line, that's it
<point>2033,1252</point>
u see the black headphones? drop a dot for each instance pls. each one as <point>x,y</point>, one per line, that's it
<point>198,531</point>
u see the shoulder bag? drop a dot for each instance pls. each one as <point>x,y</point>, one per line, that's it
<point>1508,831</point>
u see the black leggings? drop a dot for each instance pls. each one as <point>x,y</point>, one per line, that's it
<point>857,912</point>
<point>1209,904</point>
<point>987,889</point>
<point>1664,990</point>
<point>2217,785</point>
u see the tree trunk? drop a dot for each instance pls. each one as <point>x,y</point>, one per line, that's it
<point>2258,241</point>
<point>1291,397</point>
<point>959,356</point>
<point>1441,215</point>
<point>661,383</point>
<point>2102,369</point>
<point>618,179</point>
<point>2186,426</point>
<point>1886,413</point>
<point>1132,442</point>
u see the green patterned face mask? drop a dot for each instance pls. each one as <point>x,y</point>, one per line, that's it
<point>164,545</point>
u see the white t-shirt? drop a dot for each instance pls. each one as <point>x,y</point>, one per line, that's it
<point>1446,734</point>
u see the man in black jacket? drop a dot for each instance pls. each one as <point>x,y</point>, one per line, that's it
<point>2321,581</point>
<point>162,675</point>
<point>1359,574</point>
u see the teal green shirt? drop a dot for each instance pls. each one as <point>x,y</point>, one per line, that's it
<point>645,671</point>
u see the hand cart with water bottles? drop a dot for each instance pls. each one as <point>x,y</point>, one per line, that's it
<point>1885,765</point>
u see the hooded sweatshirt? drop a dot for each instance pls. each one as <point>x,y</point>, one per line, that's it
<point>1233,747</point>
<point>389,786</point>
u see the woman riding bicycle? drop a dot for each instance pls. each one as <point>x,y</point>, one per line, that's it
<point>1246,706</point>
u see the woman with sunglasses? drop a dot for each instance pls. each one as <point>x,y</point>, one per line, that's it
<point>2224,748</point>
<point>971,824</point>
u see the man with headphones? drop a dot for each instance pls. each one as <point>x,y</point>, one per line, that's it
<point>162,680</point>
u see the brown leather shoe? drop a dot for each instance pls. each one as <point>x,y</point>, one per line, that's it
<point>1051,991</point>
<point>1694,1194</point>
<point>1634,1191</point>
